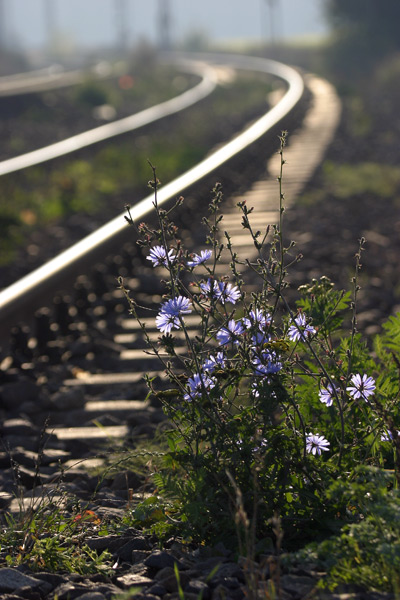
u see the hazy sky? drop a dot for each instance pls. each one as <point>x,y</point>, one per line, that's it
<point>93,22</point>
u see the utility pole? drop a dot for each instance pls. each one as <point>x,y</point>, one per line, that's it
<point>3,40</point>
<point>164,24</point>
<point>272,27</point>
<point>50,20</point>
<point>122,24</point>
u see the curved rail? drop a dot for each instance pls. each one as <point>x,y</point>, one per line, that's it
<point>50,78</point>
<point>20,294</point>
<point>104,132</point>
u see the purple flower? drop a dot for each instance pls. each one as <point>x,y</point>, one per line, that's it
<point>362,387</point>
<point>210,288</point>
<point>226,292</point>
<point>197,385</point>
<point>198,259</point>
<point>316,443</point>
<point>300,329</point>
<point>260,338</point>
<point>170,313</point>
<point>327,394</point>
<point>257,318</point>
<point>213,362</point>
<point>158,256</point>
<point>387,436</point>
<point>231,333</point>
<point>266,363</point>
<point>257,385</point>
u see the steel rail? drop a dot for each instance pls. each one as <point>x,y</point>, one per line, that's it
<point>109,130</point>
<point>39,282</point>
<point>50,78</point>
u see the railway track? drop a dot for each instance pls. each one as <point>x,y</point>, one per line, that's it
<point>52,77</point>
<point>81,359</point>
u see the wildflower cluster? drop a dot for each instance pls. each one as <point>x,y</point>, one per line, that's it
<point>272,398</point>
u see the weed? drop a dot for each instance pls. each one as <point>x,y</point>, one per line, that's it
<point>273,401</point>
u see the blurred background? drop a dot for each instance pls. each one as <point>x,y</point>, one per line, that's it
<point>355,44</point>
<point>42,29</point>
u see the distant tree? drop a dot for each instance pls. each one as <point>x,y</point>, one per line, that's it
<point>365,31</point>
<point>377,19</point>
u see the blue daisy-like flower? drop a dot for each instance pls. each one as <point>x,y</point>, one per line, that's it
<point>363,386</point>
<point>210,288</point>
<point>226,292</point>
<point>230,333</point>
<point>199,259</point>
<point>266,363</point>
<point>159,256</point>
<point>171,312</point>
<point>219,290</point>
<point>197,385</point>
<point>315,443</point>
<point>387,436</point>
<point>258,319</point>
<point>327,394</point>
<point>300,329</point>
<point>213,362</point>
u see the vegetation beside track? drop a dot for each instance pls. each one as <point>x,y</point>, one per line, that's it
<point>100,180</point>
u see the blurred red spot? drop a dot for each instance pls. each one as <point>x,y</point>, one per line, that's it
<point>125,82</point>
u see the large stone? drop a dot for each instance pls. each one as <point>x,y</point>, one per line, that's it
<point>134,579</point>
<point>297,585</point>
<point>68,398</point>
<point>126,480</point>
<point>160,559</point>
<point>14,393</point>
<point>12,581</point>
<point>92,595</point>
<point>70,591</point>
<point>198,587</point>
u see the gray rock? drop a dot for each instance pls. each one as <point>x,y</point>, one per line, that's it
<point>52,579</point>
<point>231,583</point>
<point>132,579</point>
<point>109,590</point>
<point>229,570</point>
<point>125,552</point>
<point>209,564</point>
<point>12,580</point>
<point>68,398</point>
<point>163,573</point>
<point>14,393</point>
<point>198,587</point>
<point>92,595</point>
<point>126,480</point>
<point>170,583</point>
<point>70,591</point>
<point>223,593</point>
<point>112,543</point>
<point>138,556</point>
<point>297,585</point>
<point>140,542</point>
<point>160,559</point>
<point>157,590</point>
<point>188,596</point>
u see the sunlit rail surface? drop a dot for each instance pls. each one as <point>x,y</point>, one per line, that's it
<point>51,78</point>
<point>110,130</point>
<point>22,295</point>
